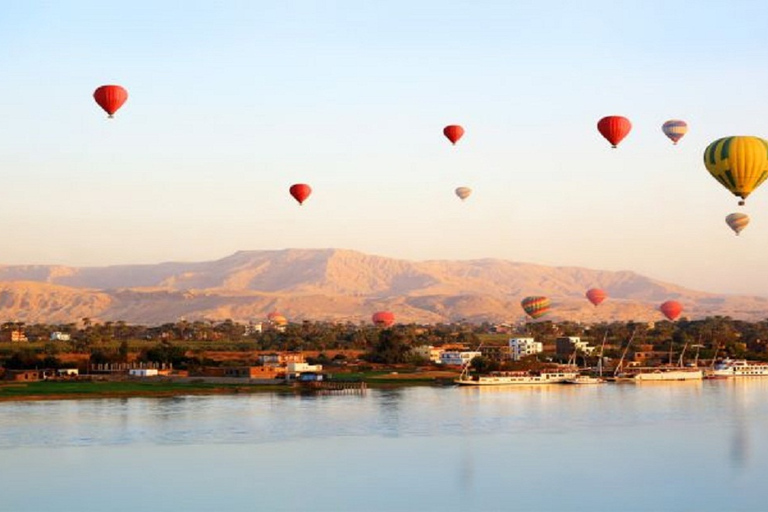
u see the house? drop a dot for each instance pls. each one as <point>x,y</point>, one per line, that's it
<point>522,347</point>
<point>294,370</point>
<point>60,336</point>
<point>455,358</point>
<point>143,372</point>
<point>428,352</point>
<point>25,375</point>
<point>568,345</point>
<point>14,336</point>
<point>67,372</point>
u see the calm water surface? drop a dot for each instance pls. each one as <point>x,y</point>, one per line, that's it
<point>666,446</point>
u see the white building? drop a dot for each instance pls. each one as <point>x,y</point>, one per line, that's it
<point>143,372</point>
<point>294,370</point>
<point>458,358</point>
<point>60,336</point>
<point>567,345</point>
<point>521,347</point>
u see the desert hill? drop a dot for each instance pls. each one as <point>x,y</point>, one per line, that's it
<point>340,285</point>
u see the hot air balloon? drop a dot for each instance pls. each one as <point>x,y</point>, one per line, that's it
<point>675,129</point>
<point>671,309</point>
<point>300,192</point>
<point>614,128</point>
<point>596,296</point>
<point>383,318</point>
<point>454,132</point>
<point>535,306</point>
<point>463,192</point>
<point>739,163</point>
<point>277,318</point>
<point>737,221</point>
<point>110,98</point>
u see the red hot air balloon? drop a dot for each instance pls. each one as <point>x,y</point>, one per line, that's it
<point>596,296</point>
<point>300,192</point>
<point>454,132</point>
<point>535,306</point>
<point>614,128</point>
<point>671,309</point>
<point>383,318</point>
<point>110,98</point>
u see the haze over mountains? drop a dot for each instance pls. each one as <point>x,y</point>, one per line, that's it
<point>341,285</point>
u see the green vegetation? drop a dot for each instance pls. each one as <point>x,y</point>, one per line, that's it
<point>57,389</point>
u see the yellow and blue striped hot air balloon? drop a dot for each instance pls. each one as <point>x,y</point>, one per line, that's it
<point>739,163</point>
<point>675,129</point>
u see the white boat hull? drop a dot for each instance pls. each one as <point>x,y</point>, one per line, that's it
<point>668,375</point>
<point>516,380</point>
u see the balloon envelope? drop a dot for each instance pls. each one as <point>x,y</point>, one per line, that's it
<point>535,306</point>
<point>463,192</point>
<point>277,318</point>
<point>454,132</point>
<point>674,129</point>
<point>671,309</point>
<point>383,318</point>
<point>737,221</point>
<point>300,192</point>
<point>596,296</point>
<point>739,163</point>
<point>614,128</point>
<point>110,98</point>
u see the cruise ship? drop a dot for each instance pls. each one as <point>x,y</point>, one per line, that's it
<point>517,378</point>
<point>739,368</point>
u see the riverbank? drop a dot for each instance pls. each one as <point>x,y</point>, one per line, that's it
<point>169,386</point>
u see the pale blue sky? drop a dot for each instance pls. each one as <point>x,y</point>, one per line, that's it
<point>232,102</point>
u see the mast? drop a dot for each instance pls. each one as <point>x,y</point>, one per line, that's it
<point>602,349</point>
<point>621,361</point>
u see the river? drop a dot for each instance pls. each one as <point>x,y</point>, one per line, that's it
<point>683,446</point>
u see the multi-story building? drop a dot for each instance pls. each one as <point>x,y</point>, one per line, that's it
<point>568,345</point>
<point>521,347</point>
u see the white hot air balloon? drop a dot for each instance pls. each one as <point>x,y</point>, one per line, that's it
<point>463,192</point>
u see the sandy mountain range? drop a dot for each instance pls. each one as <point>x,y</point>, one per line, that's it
<point>340,285</point>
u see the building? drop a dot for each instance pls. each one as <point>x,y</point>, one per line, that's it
<point>15,335</point>
<point>60,336</point>
<point>455,358</point>
<point>283,358</point>
<point>522,347</point>
<point>428,352</point>
<point>143,372</point>
<point>568,345</point>
<point>294,370</point>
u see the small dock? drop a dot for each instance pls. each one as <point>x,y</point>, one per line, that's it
<point>331,387</point>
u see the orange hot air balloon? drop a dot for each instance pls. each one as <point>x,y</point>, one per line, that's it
<point>277,318</point>
<point>671,309</point>
<point>614,128</point>
<point>383,318</point>
<point>300,192</point>
<point>454,132</point>
<point>535,306</point>
<point>596,296</point>
<point>110,98</point>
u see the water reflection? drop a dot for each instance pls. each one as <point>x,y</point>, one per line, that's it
<point>697,446</point>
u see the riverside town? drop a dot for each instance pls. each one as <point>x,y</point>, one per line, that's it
<point>93,358</point>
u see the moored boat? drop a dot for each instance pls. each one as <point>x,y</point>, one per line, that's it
<point>517,378</point>
<point>666,374</point>
<point>584,379</point>
<point>739,368</point>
